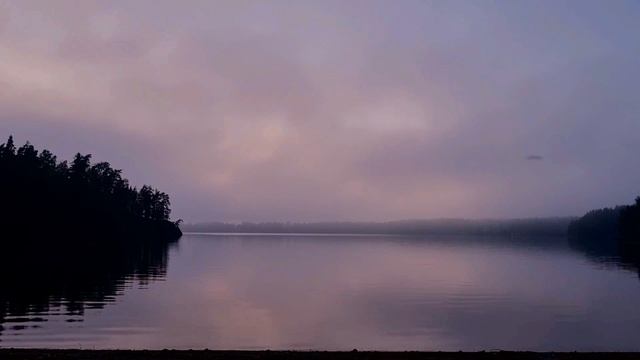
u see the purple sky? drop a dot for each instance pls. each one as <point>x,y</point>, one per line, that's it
<point>336,110</point>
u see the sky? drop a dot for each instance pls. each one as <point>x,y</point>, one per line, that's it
<point>336,110</point>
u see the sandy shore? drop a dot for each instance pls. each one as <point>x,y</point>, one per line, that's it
<point>43,354</point>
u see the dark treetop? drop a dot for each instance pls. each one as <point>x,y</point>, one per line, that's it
<point>620,224</point>
<point>43,196</point>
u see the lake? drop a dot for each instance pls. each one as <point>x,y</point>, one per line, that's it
<point>332,292</point>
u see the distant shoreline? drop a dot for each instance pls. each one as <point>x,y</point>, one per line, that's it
<point>378,235</point>
<point>555,226</point>
<point>281,234</point>
<point>33,354</point>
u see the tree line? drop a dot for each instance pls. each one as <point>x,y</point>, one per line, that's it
<point>37,189</point>
<point>504,227</point>
<point>621,223</point>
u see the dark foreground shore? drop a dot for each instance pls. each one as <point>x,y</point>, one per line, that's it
<point>42,354</point>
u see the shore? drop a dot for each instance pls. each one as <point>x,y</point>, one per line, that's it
<point>45,354</point>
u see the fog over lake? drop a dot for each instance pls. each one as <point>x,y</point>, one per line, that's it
<point>406,175</point>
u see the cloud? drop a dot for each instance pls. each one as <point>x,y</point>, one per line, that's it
<point>320,111</point>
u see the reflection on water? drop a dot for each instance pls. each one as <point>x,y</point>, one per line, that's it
<point>60,282</point>
<point>609,253</point>
<point>328,292</point>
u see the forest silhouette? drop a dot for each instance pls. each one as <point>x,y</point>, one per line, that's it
<point>609,233</point>
<point>619,224</point>
<point>42,196</point>
<point>73,233</point>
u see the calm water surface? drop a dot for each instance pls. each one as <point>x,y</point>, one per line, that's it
<point>339,292</point>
